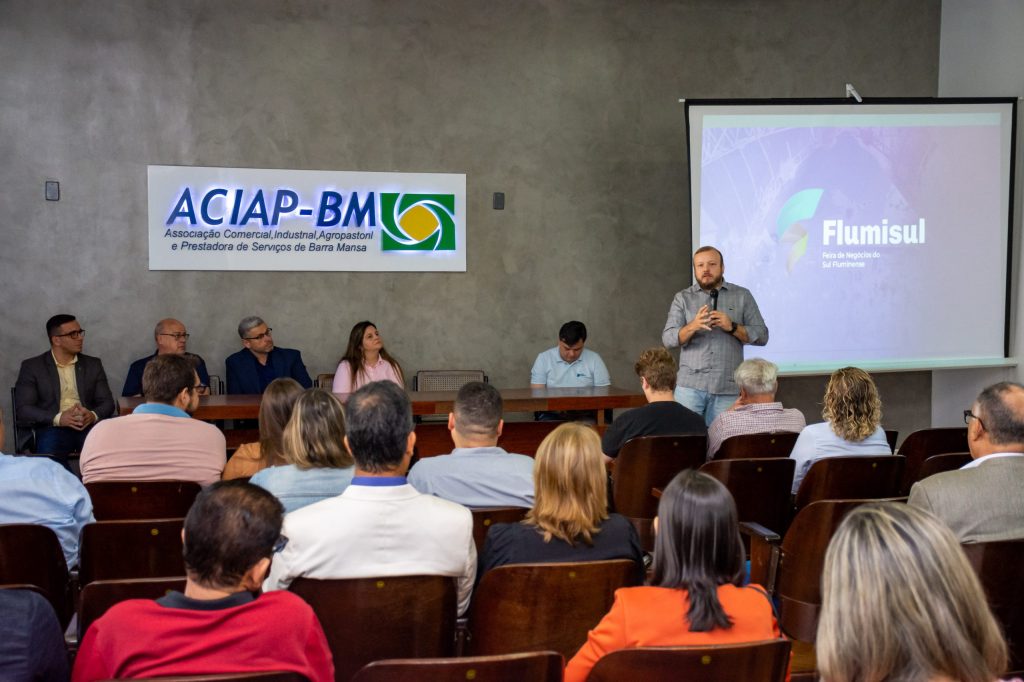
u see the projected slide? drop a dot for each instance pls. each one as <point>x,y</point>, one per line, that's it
<point>869,234</point>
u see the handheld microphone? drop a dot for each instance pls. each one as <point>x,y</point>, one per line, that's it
<point>714,299</point>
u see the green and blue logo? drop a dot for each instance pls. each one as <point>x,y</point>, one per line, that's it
<point>789,228</point>
<point>417,222</point>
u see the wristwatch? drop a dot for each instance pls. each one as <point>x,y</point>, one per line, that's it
<point>735,326</point>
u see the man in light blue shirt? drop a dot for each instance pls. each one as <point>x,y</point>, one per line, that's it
<point>569,364</point>
<point>38,490</point>
<point>477,473</point>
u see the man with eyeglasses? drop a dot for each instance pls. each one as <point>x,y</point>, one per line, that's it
<point>159,441</point>
<point>983,500</point>
<point>63,392</point>
<point>171,339</point>
<point>251,369</point>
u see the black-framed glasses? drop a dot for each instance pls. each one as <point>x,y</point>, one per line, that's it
<point>259,337</point>
<point>177,336</point>
<point>73,334</point>
<point>282,542</point>
<point>969,415</point>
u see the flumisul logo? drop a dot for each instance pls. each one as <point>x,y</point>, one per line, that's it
<point>789,230</point>
<point>417,222</point>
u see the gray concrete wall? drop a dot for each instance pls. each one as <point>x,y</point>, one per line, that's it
<point>568,106</point>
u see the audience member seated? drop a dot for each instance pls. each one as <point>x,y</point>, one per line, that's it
<point>365,361</point>
<point>984,500</point>
<point>31,642</point>
<point>852,413</point>
<point>63,392</point>
<point>221,624</point>
<point>380,526</point>
<point>171,339</point>
<point>275,411</point>
<point>756,410</point>
<point>662,415</point>
<point>569,364</point>
<point>477,473</point>
<point>38,490</point>
<point>569,520</point>
<point>159,440</point>
<point>317,465</point>
<point>696,596</point>
<point>251,369</point>
<point>901,602</point>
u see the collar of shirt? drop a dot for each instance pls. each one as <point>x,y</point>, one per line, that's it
<point>995,455</point>
<point>177,600</point>
<point>695,287</point>
<point>483,450</point>
<point>378,481</point>
<point>758,407</point>
<point>74,360</point>
<point>161,408</point>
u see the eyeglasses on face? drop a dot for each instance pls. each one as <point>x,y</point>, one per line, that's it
<point>969,415</point>
<point>281,543</point>
<point>73,334</point>
<point>259,337</point>
<point>177,336</point>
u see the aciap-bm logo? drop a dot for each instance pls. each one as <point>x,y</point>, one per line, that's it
<point>417,222</point>
<point>789,225</point>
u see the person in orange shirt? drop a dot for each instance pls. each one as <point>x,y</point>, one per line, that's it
<point>696,596</point>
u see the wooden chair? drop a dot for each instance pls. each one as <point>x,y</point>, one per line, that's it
<point>759,486</point>
<point>116,550</point>
<point>227,677</point>
<point>485,517</point>
<point>539,666</point>
<point>752,445</point>
<point>998,567</point>
<point>30,554</point>
<point>325,381</point>
<point>920,445</point>
<point>544,607</point>
<point>859,477</point>
<point>651,462</point>
<point>371,619</point>
<point>765,661</point>
<point>100,595</point>
<point>130,500</point>
<point>937,464</point>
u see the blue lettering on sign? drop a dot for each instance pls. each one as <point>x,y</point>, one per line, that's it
<point>235,207</point>
<point>184,209</point>
<point>204,208</point>
<point>286,202</point>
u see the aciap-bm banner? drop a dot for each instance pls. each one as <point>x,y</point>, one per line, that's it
<point>264,219</point>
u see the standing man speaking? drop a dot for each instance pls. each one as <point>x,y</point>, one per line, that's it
<point>709,322</point>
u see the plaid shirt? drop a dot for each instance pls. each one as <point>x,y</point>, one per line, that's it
<point>754,418</point>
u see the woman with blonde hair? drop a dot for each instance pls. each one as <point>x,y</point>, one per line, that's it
<point>569,520</point>
<point>901,602</point>
<point>365,361</point>
<point>275,411</point>
<point>317,464</point>
<point>852,426</point>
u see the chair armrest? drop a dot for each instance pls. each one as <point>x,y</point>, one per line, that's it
<point>753,530</point>
<point>764,554</point>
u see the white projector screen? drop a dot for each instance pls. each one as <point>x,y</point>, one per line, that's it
<point>873,234</point>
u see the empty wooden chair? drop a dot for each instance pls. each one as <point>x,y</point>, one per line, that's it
<point>920,445</point>
<point>485,517</point>
<point>859,477</point>
<point>937,464</point>
<point>113,550</point>
<point>371,619</point>
<point>128,500</point>
<point>544,607</point>
<point>759,486</point>
<point>763,661</point>
<point>998,567</point>
<point>30,554</point>
<point>752,445</point>
<point>100,595</point>
<point>539,666</point>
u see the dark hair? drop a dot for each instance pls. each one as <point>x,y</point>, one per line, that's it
<point>54,324</point>
<point>230,527</point>
<point>1003,424</point>
<point>659,368</point>
<point>379,419</point>
<point>275,410</point>
<point>698,546</point>
<point>354,351</point>
<point>573,332</point>
<point>478,409</point>
<point>703,249</point>
<point>166,375</point>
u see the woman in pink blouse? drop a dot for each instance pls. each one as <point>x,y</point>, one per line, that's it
<point>365,361</point>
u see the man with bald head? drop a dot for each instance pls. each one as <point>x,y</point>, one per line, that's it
<point>982,501</point>
<point>171,339</point>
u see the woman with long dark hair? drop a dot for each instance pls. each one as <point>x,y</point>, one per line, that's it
<point>365,360</point>
<point>275,411</point>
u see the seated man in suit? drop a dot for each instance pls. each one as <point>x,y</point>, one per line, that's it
<point>220,624</point>
<point>171,338</point>
<point>982,502</point>
<point>477,473</point>
<point>380,525</point>
<point>159,440</point>
<point>756,410</point>
<point>63,392</point>
<point>251,369</point>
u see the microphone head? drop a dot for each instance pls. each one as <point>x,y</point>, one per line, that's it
<point>714,293</point>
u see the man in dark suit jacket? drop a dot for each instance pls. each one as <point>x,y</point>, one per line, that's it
<point>62,393</point>
<point>259,362</point>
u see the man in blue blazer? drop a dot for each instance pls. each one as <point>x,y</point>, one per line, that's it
<point>259,362</point>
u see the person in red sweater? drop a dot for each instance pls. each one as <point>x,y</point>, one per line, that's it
<point>696,596</point>
<point>220,624</point>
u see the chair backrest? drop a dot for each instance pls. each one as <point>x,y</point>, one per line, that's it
<point>115,550</point>
<point>324,380</point>
<point>485,517</point>
<point>30,554</point>
<point>759,486</point>
<point>230,677</point>
<point>100,595</point>
<point>998,567</point>
<point>765,661</point>
<point>751,445</point>
<point>132,500</point>
<point>24,436</point>
<point>544,607</point>
<point>216,385</point>
<point>860,477</point>
<point>537,666</point>
<point>445,379</point>
<point>920,445</point>
<point>371,619</point>
<point>936,464</point>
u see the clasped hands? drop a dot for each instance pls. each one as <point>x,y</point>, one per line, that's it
<point>77,417</point>
<point>709,319</point>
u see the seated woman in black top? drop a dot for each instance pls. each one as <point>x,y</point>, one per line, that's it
<point>569,520</point>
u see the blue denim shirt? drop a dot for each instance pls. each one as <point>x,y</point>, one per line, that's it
<point>297,488</point>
